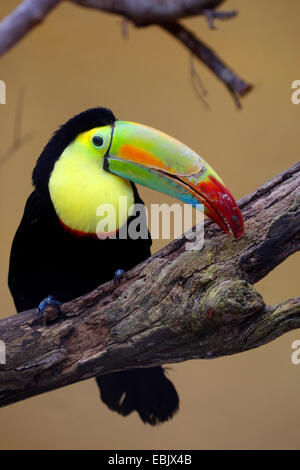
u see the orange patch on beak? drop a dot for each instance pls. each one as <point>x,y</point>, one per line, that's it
<point>140,156</point>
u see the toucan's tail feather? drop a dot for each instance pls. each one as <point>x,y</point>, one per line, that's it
<point>147,391</point>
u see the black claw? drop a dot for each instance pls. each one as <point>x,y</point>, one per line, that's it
<point>49,301</point>
<point>119,275</point>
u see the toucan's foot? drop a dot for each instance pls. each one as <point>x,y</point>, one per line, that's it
<point>48,304</point>
<point>211,15</point>
<point>119,275</point>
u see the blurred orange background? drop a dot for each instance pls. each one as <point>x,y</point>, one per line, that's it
<point>78,59</point>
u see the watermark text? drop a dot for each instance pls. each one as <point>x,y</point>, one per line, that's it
<point>295,358</point>
<point>2,352</point>
<point>2,92</point>
<point>296,94</point>
<point>163,221</point>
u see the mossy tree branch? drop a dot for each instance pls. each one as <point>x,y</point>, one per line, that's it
<point>175,306</point>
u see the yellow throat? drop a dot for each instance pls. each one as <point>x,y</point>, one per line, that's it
<point>78,185</point>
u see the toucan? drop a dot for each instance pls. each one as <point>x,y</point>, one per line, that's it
<point>57,253</point>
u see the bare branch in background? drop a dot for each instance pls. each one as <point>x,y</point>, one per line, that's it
<point>211,15</point>
<point>24,18</point>
<point>236,85</point>
<point>149,12</point>
<point>18,140</point>
<point>197,83</point>
<point>125,28</point>
<point>164,13</point>
<point>175,306</point>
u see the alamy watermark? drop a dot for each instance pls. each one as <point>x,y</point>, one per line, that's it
<point>2,92</point>
<point>2,352</point>
<point>161,220</point>
<point>296,94</point>
<point>295,357</point>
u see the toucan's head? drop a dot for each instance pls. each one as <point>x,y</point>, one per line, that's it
<point>92,158</point>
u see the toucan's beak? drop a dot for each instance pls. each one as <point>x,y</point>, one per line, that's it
<point>151,158</point>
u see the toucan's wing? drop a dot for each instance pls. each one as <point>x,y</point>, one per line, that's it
<point>22,260</point>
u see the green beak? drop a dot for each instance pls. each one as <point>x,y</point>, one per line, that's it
<point>153,159</point>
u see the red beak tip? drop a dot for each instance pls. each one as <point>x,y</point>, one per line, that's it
<point>237,225</point>
<point>238,235</point>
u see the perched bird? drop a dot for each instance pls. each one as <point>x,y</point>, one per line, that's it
<point>90,160</point>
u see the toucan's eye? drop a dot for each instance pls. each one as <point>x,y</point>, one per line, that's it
<point>97,141</point>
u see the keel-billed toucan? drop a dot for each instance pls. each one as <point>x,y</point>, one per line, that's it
<point>94,159</point>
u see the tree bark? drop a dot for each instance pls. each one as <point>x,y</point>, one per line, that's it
<point>175,306</point>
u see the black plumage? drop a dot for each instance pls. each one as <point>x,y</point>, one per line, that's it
<point>48,260</point>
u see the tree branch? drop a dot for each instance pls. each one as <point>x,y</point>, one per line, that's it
<point>18,140</point>
<point>235,84</point>
<point>175,306</point>
<point>148,12</point>
<point>24,18</point>
<point>164,13</point>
